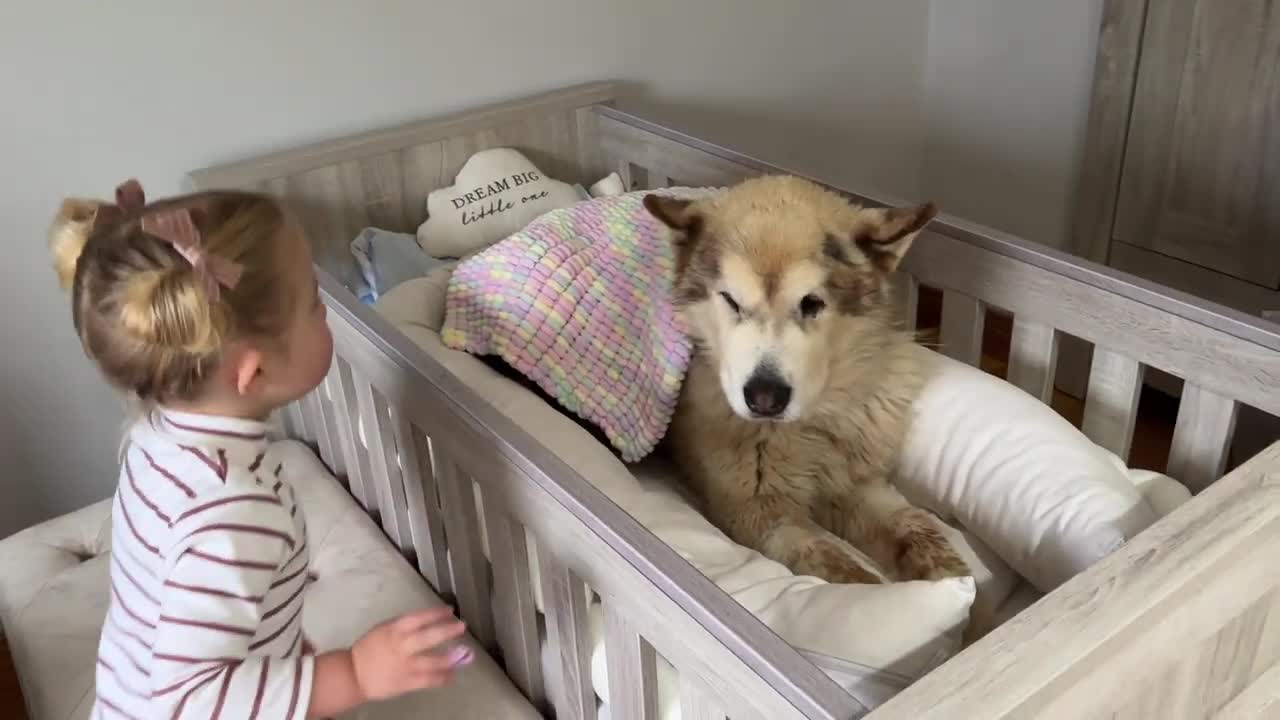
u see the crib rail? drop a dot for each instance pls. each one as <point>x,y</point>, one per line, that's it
<point>1222,358</point>
<point>470,499</point>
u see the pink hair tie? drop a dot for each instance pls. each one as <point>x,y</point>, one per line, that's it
<point>175,226</point>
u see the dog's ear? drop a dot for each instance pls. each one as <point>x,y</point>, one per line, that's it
<point>675,213</point>
<point>885,234</point>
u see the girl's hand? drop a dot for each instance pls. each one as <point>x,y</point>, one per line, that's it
<point>412,652</point>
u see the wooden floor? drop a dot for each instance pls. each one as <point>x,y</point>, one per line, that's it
<point>11,706</point>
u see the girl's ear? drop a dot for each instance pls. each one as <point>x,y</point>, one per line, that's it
<point>244,365</point>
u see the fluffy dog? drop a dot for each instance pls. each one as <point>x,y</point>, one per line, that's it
<point>798,396</point>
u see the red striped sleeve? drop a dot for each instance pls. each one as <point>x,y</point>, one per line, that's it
<point>297,687</point>
<point>297,639</point>
<point>297,554</point>
<point>212,591</point>
<point>247,564</point>
<point>285,604</point>
<point>249,498</point>
<point>289,578</point>
<point>279,631</point>
<point>142,670</point>
<point>281,535</point>
<point>204,625</point>
<point>186,696</point>
<point>120,682</point>
<point>128,520</point>
<point>137,491</point>
<point>222,697</point>
<point>113,622</point>
<point>137,586</point>
<point>211,670</point>
<point>113,707</point>
<point>262,688</point>
<point>218,613</point>
<point>128,610</point>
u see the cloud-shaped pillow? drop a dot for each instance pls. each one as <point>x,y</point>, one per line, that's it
<point>497,192</point>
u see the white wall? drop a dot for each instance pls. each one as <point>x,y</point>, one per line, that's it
<point>829,87</point>
<point>1007,100</point>
<point>97,92</point>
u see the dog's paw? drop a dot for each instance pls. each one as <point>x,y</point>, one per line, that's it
<point>927,555</point>
<point>832,564</point>
<point>850,573</point>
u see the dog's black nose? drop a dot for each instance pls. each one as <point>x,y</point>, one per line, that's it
<point>766,394</point>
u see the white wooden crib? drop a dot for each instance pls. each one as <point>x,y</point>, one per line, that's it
<point>1154,630</point>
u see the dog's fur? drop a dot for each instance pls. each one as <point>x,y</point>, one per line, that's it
<point>785,285</point>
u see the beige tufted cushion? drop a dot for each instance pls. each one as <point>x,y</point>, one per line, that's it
<point>53,598</point>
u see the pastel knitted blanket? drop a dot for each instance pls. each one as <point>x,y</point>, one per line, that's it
<point>579,302</point>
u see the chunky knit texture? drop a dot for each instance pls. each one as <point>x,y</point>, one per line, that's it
<point>579,302</point>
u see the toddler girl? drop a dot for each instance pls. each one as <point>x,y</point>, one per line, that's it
<point>204,309</point>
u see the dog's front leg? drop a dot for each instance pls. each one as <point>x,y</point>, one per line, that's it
<point>781,531</point>
<point>899,536</point>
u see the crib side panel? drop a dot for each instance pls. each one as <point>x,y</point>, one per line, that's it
<point>1178,623</point>
<point>382,178</point>
<point>480,548</point>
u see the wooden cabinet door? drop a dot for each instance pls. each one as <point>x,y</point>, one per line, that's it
<point>1201,173</point>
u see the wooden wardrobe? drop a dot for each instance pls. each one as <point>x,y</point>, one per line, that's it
<point>1180,179</point>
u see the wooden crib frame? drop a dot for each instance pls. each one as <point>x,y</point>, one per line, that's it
<point>1175,624</point>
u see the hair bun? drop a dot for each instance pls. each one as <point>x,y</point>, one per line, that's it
<point>68,235</point>
<point>167,308</point>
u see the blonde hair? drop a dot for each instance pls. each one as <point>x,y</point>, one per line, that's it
<point>142,313</point>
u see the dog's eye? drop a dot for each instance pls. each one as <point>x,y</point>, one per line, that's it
<point>811,305</point>
<point>733,305</point>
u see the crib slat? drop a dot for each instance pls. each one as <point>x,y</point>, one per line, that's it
<point>385,473</point>
<point>426,526</point>
<point>961,332</point>
<point>308,411</point>
<point>353,457</point>
<point>335,421</point>
<point>906,290</point>
<point>565,605</point>
<point>1201,437</point>
<point>1111,401</point>
<point>515,615</point>
<point>625,173</point>
<point>633,668</point>
<point>657,180</point>
<point>1033,358</point>
<point>294,425</point>
<point>466,555</point>
<point>326,427</point>
<point>695,702</point>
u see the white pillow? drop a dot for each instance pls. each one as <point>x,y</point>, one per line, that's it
<point>1015,473</point>
<point>497,192</point>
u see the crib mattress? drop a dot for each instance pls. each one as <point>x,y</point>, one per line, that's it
<point>53,598</point>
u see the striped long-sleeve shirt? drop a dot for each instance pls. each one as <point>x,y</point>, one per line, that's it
<point>209,560</point>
